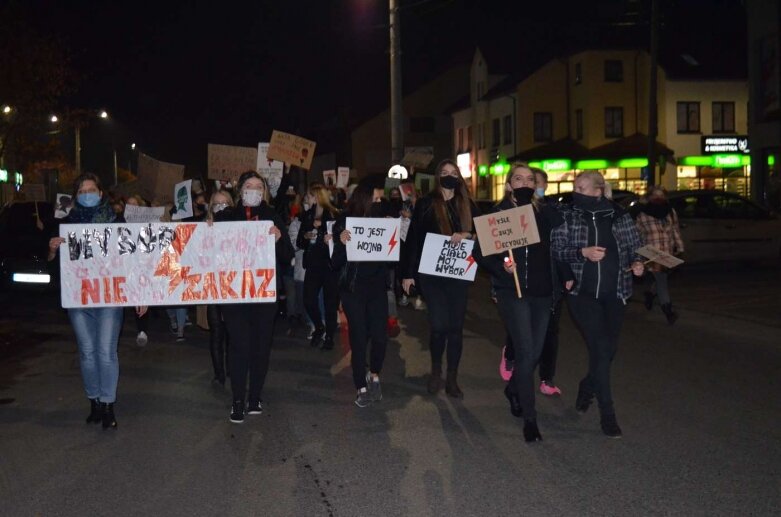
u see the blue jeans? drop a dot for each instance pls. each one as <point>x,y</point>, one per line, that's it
<point>97,334</point>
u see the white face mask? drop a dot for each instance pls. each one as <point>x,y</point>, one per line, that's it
<point>251,197</point>
<point>307,206</point>
<point>219,207</point>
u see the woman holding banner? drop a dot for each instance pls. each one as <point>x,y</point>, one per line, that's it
<point>362,287</point>
<point>97,329</point>
<point>447,210</point>
<point>251,325</point>
<point>526,317</point>
<point>313,238</point>
<point>598,240</point>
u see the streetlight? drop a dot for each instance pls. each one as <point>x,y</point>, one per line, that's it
<point>133,146</point>
<point>54,119</point>
<point>103,114</point>
<point>7,109</point>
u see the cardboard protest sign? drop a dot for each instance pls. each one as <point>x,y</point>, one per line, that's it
<point>291,149</point>
<point>390,184</point>
<point>418,157</point>
<point>441,257</point>
<point>157,179</point>
<point>407,191</point>
<point>120,264</point>
<point>228,162</point>
<point>654,254</point>
<point>404,224</point>
<point>342,177</point>
<point>63,206</point>
<point>509,229</point>
<point>329,178</point>
<point>183,200</point>
<point>143,214</point>
<point>425,183</point>
<point>373,239</point>
<point>271,170</point>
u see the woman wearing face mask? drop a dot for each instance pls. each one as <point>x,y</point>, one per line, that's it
<point>447,210</point>
<point>251,325</point>
<point>362,288</point>
<point>657,223</point>
<point>97,329</point>
<point>313,238</point>
<point>218,339</point>
<point>526,318</point>
<point>598,240</point>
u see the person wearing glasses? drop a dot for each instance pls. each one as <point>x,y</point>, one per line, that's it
<point>447,210</point>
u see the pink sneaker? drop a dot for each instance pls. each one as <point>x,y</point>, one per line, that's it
<point>504,371</point>
<point>549,389</point>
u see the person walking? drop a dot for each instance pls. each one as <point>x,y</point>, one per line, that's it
<point>658,225</point>
<point>599,241</point>
<point>251,325</point>
<point>97,329</point>
<point>447,210</point>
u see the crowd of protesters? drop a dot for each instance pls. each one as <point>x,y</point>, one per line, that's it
<point>586,256</point>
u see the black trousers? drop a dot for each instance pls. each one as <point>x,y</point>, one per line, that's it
<point>446,305</point>
<point>321,277</point>
<point>550,350</point>
<point>600,323</point>
<point>526,320</point>
<point>251,327</point>
<point>142,322</point>
<point>367,315</point>
<point>218,337</point>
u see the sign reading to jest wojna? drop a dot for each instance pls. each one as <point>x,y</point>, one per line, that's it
<point>509,229</point>
<point>104,265</point>
<point>373,239</point>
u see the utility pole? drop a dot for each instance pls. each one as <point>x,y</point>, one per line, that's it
<point>397,127</point>
<point>652,109</point>
<point>77,138</point>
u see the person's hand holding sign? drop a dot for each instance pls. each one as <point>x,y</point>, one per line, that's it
<point>141,310</point>
<point>407,284</point>
<point>344,236</point>
<point>509,265</point>
<point>638,268</point>
<point>54,244</point>
<point>593,253</point>
<point>275,232</point>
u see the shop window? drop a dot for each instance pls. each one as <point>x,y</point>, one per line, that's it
<point>496,134</point>
<point>508,130</point>
<point>614,122</point>
<point>579,124</point>
<point>578,73</point>
<point>543,127</point>
<point>688,115</point>
<point>723,117</point>
<point>421,124</point>
<point>614,71</point>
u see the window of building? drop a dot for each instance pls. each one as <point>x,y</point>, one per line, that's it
<point>469,138</point>
<point>421,124</point>
<point>723,117</point>
<point>614,71</point>
<point>460,139</point>
<point>496,134</point>
<point>543,127</point>
<point>688,117</point>
<point>614,122</point>
<point>480,137</point>
<point>578,124</point>
<point>508,130</point>
<point>578,73</point>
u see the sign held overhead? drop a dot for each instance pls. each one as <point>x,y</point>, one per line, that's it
<point>291,149</point>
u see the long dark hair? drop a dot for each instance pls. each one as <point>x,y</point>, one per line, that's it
<point>463,202</point>
<point>360,203</point>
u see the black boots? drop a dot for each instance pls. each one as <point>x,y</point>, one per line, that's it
<point>317,335</point>
<point>649,300</point>
<point>515,403</point>
<point>671,315</point>
<point>328,343</point>
<point>435,379</point>
<point>94,411</point>
<point>531,432</point>
<point>610,426</point>
<point>107,415</point>
<point>451,385</point>
<point>583,400</point>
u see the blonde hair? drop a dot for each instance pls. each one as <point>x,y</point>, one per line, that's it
<point>323,197</point>
<point>223,193</point>
<point>509,194</point>
<point>597,181</point>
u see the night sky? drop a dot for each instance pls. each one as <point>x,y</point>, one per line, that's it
<point>177,75</point>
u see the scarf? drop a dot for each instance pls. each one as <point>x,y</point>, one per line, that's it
<point>102,213</point>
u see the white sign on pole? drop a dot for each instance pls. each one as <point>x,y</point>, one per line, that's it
<point>342,177</point>
<point>271,170</point>
<point>183,200</point>
<point>329,228</point>
<point>404,225</point>
<point>143,214</point>
<point>329,178</point>
<point>654,254</point>
<point>373,239</point>
<point>442,257</point>
<point>109,265</point>
<point>63,206</point>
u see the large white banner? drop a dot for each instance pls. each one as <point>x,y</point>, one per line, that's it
<point>104,265</point>
<point>441,257</point>
<point>373,239</point>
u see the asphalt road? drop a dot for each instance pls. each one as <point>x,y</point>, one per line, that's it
<point>699,403</point>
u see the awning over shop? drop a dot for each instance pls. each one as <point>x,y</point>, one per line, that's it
<point>566,148</point>
<point>634,145</point>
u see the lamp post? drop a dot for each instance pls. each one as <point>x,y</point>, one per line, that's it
<point>397,127</point>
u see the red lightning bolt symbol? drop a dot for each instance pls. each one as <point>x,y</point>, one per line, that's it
<point>169,263</point>
<point>392,242</point>
<point>471,261</point>
<point>523,223</point>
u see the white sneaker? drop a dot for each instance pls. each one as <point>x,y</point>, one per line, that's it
<point>142,339</point>
<point>403,301</point>
<point>420,305</point>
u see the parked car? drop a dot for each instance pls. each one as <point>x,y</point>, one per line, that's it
<point>721,226</point>
<point>24,246</point>
<point>625,198</point>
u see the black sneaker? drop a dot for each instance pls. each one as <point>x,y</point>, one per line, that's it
<point>317,335</point>
<point>255,407</point>
<point>328,343</point>
<point>374,388</point>
<point>173,327</point>
<point>610,426</point>
<point>237,412</point>
<point>363,398</point>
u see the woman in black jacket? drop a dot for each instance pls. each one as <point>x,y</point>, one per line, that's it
<point>313,239</point>
<point>362,287</point>
<point>526,318</point>
<point>447,210</point>
<point>251,325</point>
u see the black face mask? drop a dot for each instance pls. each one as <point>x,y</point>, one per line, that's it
<point>379,209</point>
<point>448,182</point>
<point>523,195</point>
<point>201,207</point>
<point>587,202</point>
<point>395,205</point>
